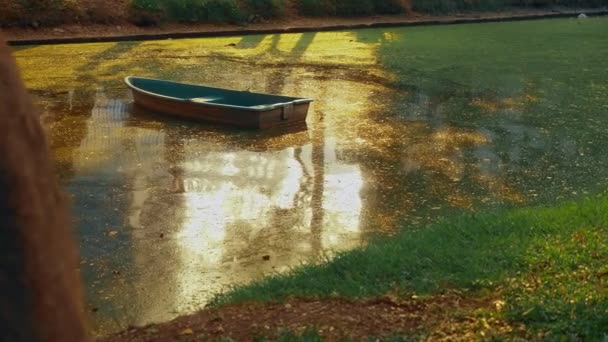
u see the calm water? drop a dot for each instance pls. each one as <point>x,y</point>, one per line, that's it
<point>407,125</point>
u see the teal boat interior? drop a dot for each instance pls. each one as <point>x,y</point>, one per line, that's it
<point>210,95</point>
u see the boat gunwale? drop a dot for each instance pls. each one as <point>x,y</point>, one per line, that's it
<point>296,101</point>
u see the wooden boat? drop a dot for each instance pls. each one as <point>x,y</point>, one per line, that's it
<point>224,106</point>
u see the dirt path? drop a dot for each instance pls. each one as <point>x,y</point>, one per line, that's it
<point>448,316</point>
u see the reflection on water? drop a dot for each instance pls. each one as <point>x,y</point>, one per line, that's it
<point>170,212</point>
<point>180,217</point>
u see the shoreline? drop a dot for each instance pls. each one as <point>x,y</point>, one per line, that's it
<point>76,34</point>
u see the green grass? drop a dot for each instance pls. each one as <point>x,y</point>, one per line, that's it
<point>550,263</point>
<point>449,6</point>
<point>549,86</point>
<point>312,335</point>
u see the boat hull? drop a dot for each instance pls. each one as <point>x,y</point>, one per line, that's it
<point>275,116</point>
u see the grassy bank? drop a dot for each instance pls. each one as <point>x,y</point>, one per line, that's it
<point>549,264</point>
<point>448,6</point>
<point>153,12</point>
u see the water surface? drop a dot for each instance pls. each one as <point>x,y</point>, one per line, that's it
<point>408,125</point>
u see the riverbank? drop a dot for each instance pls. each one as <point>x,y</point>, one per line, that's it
<point>126,31</point>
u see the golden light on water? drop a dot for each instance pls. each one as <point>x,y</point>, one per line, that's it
<point>343,200</point>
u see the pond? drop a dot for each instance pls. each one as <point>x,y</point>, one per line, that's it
<point>408,125</point>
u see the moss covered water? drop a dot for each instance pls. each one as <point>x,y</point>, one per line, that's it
<point>408,125</point>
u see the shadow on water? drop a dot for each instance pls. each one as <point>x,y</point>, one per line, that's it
<point>407,125</point>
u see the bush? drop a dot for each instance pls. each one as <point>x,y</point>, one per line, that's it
<point>317,7</point>
<point>43,5</point>
<point>38,12</point>
<point>350,7</point>
<point>447,6</point>
<point>267,8</point>
<point>567,3</point>
<point>102,11</point>
<point>354,7</point>
<point>10,13</point>
<point>389,6</point>
<point>186,10</point>
<point>205,10</point>
<point>148,5</point>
